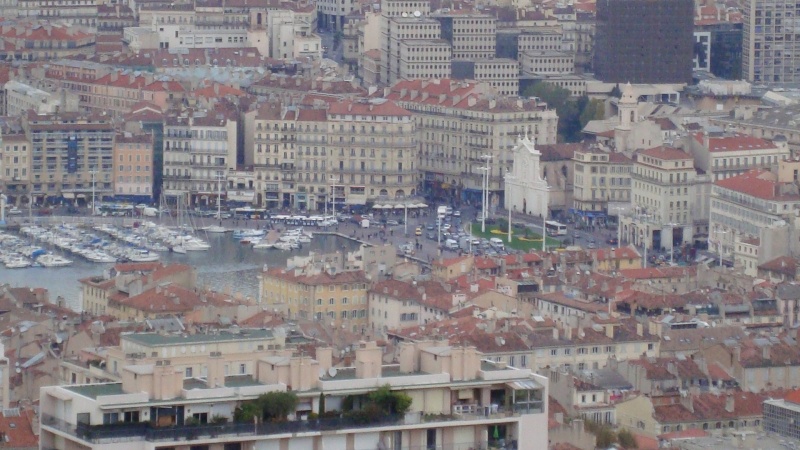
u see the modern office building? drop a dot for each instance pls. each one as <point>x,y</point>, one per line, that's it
<point>771,42</point>
<point>644,41</point>
<point>184,391</point>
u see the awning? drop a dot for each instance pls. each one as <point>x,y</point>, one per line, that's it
<point>381,207</point>
<point>68,195</point>
<point>524,385</point>
<point>421,205</point>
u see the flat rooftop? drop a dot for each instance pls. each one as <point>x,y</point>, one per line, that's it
<point>96,390</point>
<point>155,339</point>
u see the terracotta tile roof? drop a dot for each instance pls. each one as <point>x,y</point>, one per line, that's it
<point>485,263</point>
<point>649,300</point>
<point>559,298</point>
<point>734,142</point>
<point>18,430</point>
<point>793,396</point>
<point>373,54</point>
<point>674,413</point>
<point>713,407</point>
<point>374,107</point>
<point>760,183</point>
<point>651,273</point>
<point>320,278</point>
<point>691,433</point>
<point>614,254</point>
<point>785,265</point>
<point>137,267</point>
<point>174,299</point>
<point>457,94</point>
<point>449,262</point>
<point>560,152</point>
<point>665,123</point>
<point>664,153</point>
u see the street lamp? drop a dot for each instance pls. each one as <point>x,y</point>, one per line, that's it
<point>332,179</point>
<point>93,172</point>
<point>619,211</point>
<point>671,227</point>
<point>508,201</point>
<point>486,174</point>
<point>719,243</point>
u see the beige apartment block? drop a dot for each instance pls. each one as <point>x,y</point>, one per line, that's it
<point>181,389</point>
<point>500,73</point>
<point>76,12</point>
<point>349,153</point>
<point>541,39</point>
<point>473,36</point>
<point>458,122</point>
<point>338,297</point>
<point>724,154</point>
<point>199,150</point>
<point>601,177</point>
<point>133,166</point>
<point>369,67</point>
<point>395,31</point>
<point>21,97</point>
<point>745,206</point>
<point>15,166</point>
<point>663,199</point>
<point>546,62</point>
<point>424,59</point>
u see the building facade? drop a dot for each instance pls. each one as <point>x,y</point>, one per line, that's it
<point>199,150</point>
<point>633,43</point>
<point>662,197</point>
<point>71,156</point>
<point>768,55</point>
<point>600,178</point>
<point>133,167</point>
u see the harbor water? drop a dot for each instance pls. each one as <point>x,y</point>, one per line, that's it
<point>228,266</point>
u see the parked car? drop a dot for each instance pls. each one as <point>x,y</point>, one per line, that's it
<point>392,223</point>
<point>612,241</point>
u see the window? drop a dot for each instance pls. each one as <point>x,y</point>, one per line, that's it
<point>554,352</point>
<point>242,369</point>
<point>188,372</point>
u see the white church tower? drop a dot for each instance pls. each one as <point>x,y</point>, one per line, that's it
<point>526,191</point>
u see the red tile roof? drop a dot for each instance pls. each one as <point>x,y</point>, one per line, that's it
<point>760,183</point>
<point>18,430</point>
<point>367,108</point>
<point>734,142</point>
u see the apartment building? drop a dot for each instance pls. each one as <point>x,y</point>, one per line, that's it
<point>33,41</point>
<point>396,31</point>
<point>472,35</point>
<point>725,154</point>
<point>128,280</point>
<point>458,122</point>
<point>500,73</point>
<point>770,53</point>
<point>74,13</point>
<point>332,14</point>
<point>15,166</point>
<point>199,149</point>
<point>766,123</point>
<point>600,178</point>
<point>663,196</point>
<point>190,386</point>
<point>291,35</point>
<point>133,167</point>
<point>349,153</point>
<point>71,155</point>
<point>782,415</point>
<point>744,206</point>
<point>21,97</point>
<point>418,59</point>
<point>546,62</point>
<point>338,297</point>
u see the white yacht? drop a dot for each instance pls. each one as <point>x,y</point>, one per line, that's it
<point>99,256</point>
<point>51,260</point>
<point>179,249</point>
<point>263,244</point>
<point>19,262</point>
<point>140,255</point>
<point>215,229</point>
<point>195,245</point>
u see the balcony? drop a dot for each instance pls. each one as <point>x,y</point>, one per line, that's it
<point>126,432</point>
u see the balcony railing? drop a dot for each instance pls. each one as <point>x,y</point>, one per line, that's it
<point>123,432</point>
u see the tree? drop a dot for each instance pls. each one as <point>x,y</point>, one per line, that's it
<point>390,402</point>
<point>626,439</point>
<point>616,92</point>
<point>278,405</point>
<point>604,437</point>
<point>248,412</point>
<point>570,110</point>
<point>594,110</point>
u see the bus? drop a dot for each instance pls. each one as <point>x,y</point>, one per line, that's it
<point>554,228</point>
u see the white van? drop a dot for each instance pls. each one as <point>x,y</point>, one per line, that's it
<point>451,244</point>
<point>496,241</point>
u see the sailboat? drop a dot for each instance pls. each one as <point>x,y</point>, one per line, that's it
<point>216,228</point>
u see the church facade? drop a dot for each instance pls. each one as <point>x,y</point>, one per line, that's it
<point>525,189</point>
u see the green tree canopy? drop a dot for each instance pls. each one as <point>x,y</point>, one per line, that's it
<point>573,113</point>
<point>270,406</point>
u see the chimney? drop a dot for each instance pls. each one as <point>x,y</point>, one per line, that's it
<point>737,354</point>
<point>368,360</point>
<point>729,403</point>
<point>765,352</point>
<point>639,330</point>
<point>555,333</point>
<point>610,331</point>
<point>325,357</point>
<point>568,333</point>
<point>706,140</point>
